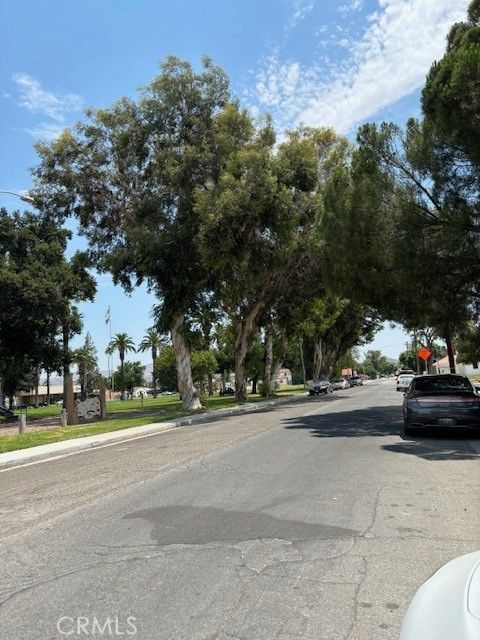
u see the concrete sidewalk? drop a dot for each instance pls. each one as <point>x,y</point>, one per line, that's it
<point>55,449</point>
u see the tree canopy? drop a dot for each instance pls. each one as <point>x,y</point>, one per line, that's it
<point>39,286</point>
<point>128,174</point>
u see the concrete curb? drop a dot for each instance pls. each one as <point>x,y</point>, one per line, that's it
<point>45,451</point>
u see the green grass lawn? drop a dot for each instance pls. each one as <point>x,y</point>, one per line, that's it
<point>41,412</point>
<point>159,403</point>
<point>161,409</point>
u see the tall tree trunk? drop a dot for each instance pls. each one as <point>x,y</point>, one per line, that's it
<point>450,352</point>
<point>415,347</point>
<point>268,359</point>
<point>71,407</point>
<point>273,378</point>
<point>240,377</point>
<point>429,364</point>
<point>207,341</point>
<point>329,361</point>
<point>190,399</point>
<point>81,375</point>
<point>154,381</point>
<point>122,373</point>
<point>36,374</point>
<point>48,386</point>
<point>254,384</point>
<point>317,358</point>
<point>242,339</point>
<point>302,360</point>
<point>66,364</point>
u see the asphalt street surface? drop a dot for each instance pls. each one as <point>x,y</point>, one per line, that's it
<point>315,520</point>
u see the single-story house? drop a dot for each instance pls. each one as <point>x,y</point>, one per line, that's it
<point>56,394</point>
<point>442,366</point>
<point>284,376</point>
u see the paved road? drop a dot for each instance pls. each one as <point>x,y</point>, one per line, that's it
<point>316,520</point>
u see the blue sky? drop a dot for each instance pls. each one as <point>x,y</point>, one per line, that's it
<point>321,62</point>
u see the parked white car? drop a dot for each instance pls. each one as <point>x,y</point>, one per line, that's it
<point>447,605</point>
<point>340,383</point>
<point>403,382</point>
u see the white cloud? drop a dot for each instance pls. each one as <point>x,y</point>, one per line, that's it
<point>32,96</point>
<point>36,99</point>
<point>45,130</point>
<point>388,62</point>
<point>349,7</point>
<point>301,8</point>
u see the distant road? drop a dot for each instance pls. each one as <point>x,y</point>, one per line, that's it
<point>314,521</point>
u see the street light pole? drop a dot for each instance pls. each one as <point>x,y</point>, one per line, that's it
<point>23,196</point>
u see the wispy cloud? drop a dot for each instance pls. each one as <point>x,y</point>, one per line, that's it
<point>301,8</point>
<point>31,95</point>
<point>388,62</point>
<point>350,7</point>
<point>36,99</point>
<point>45,130</point>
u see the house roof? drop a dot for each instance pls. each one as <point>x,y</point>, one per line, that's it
<point>55,389</point>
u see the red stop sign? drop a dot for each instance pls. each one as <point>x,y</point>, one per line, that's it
<point>424,353</point>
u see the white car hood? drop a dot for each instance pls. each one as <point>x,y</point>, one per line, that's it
<point>447,605</point>
<point>473,594</point>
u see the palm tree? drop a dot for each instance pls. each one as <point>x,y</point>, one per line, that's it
<point>152,340</point>
<point>122,343</point>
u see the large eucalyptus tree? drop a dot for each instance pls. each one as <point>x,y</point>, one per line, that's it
<point>128,174</point>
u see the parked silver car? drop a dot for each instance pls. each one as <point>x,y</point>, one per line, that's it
<point>403,382</point>
<point>355,381</point>
<point>340,383</point>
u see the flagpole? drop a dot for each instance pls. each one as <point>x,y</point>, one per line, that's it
<point>110,356</point>
<point>110,324</point>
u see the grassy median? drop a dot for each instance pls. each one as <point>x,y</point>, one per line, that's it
<point>160,409</point>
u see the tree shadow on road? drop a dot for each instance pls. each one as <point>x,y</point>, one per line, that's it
<point>374,421</point>
<point>435,448</point>
<point>387,421</point>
